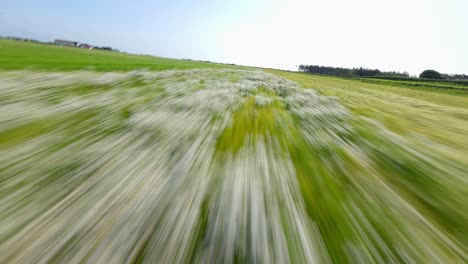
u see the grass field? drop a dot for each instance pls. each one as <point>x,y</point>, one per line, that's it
<point>21,55</point>
<point>461,87</point>
<point>206,163</point>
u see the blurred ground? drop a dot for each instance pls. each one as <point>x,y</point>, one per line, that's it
<point>226,165</point>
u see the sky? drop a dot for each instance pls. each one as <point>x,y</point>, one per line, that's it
<point>396,35</point>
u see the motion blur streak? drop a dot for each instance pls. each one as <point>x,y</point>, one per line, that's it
<point>214,166</point>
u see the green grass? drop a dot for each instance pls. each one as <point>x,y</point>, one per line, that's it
<point>437,114</point>
<point>370,172</point>
<point>461,88</point>
<point>434,122</point>
<point>20,55</point>
<point>249,121</point>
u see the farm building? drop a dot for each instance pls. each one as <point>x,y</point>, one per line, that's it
<point>67,43</point>
<point>85,46</point>
<point>104,48</point>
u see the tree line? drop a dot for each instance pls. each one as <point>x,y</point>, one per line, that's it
<point>455,77</point>
<point>347,72</point>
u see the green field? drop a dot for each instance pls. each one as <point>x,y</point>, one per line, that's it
<point>460,87</point>
<point>109,157</point>
<point>21,55</point>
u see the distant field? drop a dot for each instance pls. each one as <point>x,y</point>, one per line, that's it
<point>462,87</point>
<point>21,55</point>
<point>113,158</point>
<point>435,113</point>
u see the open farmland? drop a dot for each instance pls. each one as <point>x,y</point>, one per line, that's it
<point>21,55</point>
<point>196,162</point>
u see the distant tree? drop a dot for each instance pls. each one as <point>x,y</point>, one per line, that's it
<point>345,72</point>
<point>430,74</point>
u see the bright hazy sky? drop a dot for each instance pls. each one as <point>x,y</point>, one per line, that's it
<point>404,35</point>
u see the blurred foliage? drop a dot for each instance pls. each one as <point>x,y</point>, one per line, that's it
<point>224,165</point>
